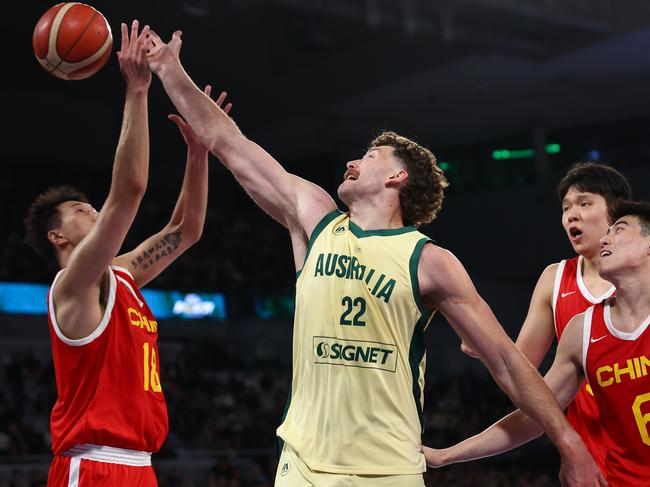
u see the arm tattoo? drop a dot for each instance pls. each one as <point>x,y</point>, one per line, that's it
<point>163,247</point>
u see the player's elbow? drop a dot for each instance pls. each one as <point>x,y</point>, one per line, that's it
<point>192,231</point>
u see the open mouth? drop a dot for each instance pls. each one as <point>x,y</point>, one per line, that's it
<point>605,253</point>
<point>575,232</point>
<point>350,177</point>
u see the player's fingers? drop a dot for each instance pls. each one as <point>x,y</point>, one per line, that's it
<point>144,34</point>
<point>176,40</point>
<point>134,30</point>
<point>227,108</point>
<point>222,97</point>
<point>180,123</point>
<point>176,119</point>
<point>207,90</point>
<point>125,38</point>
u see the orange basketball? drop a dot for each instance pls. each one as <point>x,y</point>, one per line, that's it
<point>72,40</point>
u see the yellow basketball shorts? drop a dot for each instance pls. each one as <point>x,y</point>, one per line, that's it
<point>292,472</point>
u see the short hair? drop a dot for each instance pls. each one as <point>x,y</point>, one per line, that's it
<point>421,198</point>
<point>43,215</point>
<point>597,178</point>
<point>639,209</point>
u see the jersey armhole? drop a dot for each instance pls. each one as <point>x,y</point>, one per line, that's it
<point>414,261</point>
<point>559,272</point>
<point>326,220</point>
<point>102,324</point>
<point>123,270</point>
<point>586,335</point>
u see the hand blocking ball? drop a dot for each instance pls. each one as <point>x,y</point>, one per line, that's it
<point>72,40</point>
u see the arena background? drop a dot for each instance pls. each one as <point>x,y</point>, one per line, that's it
<point>544,83</point>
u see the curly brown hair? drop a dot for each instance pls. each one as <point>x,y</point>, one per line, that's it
<point>43,216</point>
<point>421,198</point>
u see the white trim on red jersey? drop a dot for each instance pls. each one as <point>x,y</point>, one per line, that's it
<point>583,288</point>
<point>122,269</point>
<point>130,289</point>
<point>102,324</point>
<point>556,289</point>
<point>623,335</point>
<point>586,336</point>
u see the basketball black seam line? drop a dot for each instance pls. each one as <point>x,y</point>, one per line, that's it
<point>74,44</point>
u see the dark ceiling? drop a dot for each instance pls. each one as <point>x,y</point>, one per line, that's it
<point>307,76</point>
<point>313,80</point>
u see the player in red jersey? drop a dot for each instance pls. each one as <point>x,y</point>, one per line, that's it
<point>609,345</point>
<point>565,289</point>
<point>110,413</point>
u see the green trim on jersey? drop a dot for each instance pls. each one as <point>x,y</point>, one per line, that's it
<point>417,348</point>
<point>280,441</point>
<point>358,232</point>
<point>326,220</point>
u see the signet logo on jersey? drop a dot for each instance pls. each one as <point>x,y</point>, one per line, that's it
<point>355,353</point>
<point>340,230</point>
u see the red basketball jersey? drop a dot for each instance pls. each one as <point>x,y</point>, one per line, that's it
<point>617,365</point>
<point>571,297</point>
<point>108,383</point>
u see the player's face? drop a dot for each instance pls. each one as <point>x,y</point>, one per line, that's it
<point>77,218</point>
<point>623,248</point>
<point>584,218</point>
<point>369,175</point>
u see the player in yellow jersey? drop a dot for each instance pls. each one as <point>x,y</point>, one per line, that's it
<point>366,290</point>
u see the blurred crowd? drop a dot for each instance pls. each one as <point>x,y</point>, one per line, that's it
<point>243,253</point>
<point>223,408</point>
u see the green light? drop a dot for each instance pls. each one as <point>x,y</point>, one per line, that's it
<point>501,154</point>
<point>552,148</point>
<point>523,153</point>
<point>443,165</point>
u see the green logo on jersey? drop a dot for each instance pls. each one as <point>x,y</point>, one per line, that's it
<point>355,353</point>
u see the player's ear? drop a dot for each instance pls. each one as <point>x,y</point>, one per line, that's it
<point>397,180</point>
<point>56,238</point>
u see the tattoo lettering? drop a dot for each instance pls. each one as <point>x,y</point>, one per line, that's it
<point>162,248</point>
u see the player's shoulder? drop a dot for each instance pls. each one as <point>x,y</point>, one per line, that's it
<point>574,329</point>
<point>549,274</point>
<point>434,255</point>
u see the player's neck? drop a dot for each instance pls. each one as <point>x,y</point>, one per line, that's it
<point>63,256</point>
<point>596,285</point>
<point>632,305</point>
<point>373,215</point>
<point>590,267</point>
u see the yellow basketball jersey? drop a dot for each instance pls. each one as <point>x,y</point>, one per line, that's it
<point>358,351</point>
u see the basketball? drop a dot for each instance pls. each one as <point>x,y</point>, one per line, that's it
<point>72,40</point>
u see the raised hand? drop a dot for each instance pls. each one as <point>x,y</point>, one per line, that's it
<point>161,54</point>
<point>132,56</point>
<point>192,140</point>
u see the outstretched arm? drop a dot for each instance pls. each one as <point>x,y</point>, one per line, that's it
<point>77,293</point>
<point>185,226</point>
<point>445,284</point>
<point>538,331</point>
<point>563,378</point>
<point>297,204</point>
